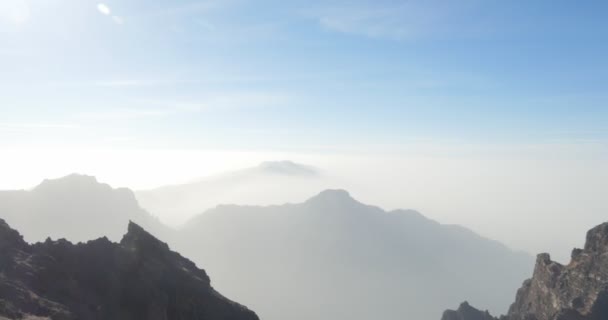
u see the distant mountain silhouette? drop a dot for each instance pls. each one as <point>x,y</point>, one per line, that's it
<point>260,185</point>
<point>287,167</point>
<point>75,207</point>
<point>333,257</point>
<point>138,278</point>
<point>330,257</point>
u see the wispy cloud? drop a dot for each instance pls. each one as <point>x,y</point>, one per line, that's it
<point>39,125</point>
<point>159,108</point>
<point>136,83</point>
<point>26,127</point>
<point>124,82</point>
<point>246,99</point>
<point>118,20</point>
<point>194,8</point>
<point>188,9</point>
<point>391,20</point>
<point>123,114</point>
<point>219,101</point>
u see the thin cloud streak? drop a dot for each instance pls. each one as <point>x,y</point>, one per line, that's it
<point>163,108</point>
<point>39,126</point>
<point>188,9</point>
<point>221,101</point>
<point>123,114</point>
<point>137,83</point>
<point>125,82</point>
<point>394,21</point>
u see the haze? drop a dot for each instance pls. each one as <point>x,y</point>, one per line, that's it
<point>492,190</point>
<point>474,113</point>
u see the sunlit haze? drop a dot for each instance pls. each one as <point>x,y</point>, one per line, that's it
<point>490,115</point>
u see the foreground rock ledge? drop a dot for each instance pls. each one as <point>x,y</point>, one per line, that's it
<point>138,278</point>
<point>577,291</point>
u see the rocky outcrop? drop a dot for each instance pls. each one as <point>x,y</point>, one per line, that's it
<point>576,291</point>
<point>466,312</point>
<point>138,278</point>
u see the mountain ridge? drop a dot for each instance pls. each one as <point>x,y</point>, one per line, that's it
<point>258,185</point>
<point>329,247</point>
<point>97,208</point>
<point>138,278</point>
<point>332,247</point>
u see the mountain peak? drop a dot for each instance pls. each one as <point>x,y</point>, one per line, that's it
<point>9,237</point>
<point>4,227</point>
<point>74,178</point>
<point>91,208</point>
<point>74,181</point>
<point>335,193</point>
<point>597,239</point>
<point>332,196</point>
<point>138,238</point>
<point>287,167</point>
<point>151,281</point>
<point>465,311</point>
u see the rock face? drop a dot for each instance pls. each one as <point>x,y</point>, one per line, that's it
<point>139,278</point>
<point>466,312</point>
<point>577,291</point>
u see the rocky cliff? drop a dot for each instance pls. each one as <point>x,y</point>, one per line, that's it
<point>576,291</point>
<point>466,312</point>
<point>138,278</point>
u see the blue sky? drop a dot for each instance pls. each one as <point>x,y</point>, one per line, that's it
<point>490,114</point>
<point>301,74</point>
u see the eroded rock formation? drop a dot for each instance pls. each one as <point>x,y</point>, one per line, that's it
<point>576,291</point>
<point>138,278</point>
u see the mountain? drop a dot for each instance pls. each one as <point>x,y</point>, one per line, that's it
<point>260,185</point>
<point>576,291</point>
<point>333,257</point>
<point>330,257</point>
<point>138,278</point>
<point>75,207</point>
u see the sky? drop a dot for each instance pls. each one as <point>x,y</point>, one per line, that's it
<point>301,74</point>
<point>193,88</point>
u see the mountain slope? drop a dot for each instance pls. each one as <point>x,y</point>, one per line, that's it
<point>260,185</point>
<point>577,291</point>
<point>140,278</point>
<point>75,207</point>
<point>332,257</point>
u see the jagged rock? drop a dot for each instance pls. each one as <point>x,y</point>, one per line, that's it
<point>576,291</point>
<point>466,312</point>
<point>140,278</point>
